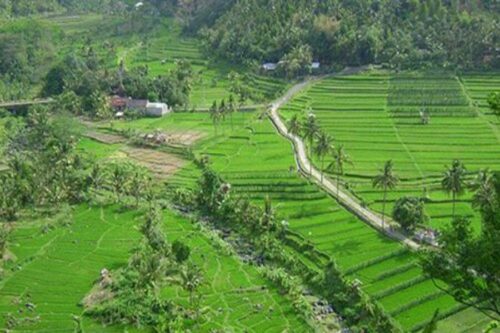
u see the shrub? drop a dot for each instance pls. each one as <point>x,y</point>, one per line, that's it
<point>409,212</point>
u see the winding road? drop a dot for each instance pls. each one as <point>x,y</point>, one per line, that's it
<point>310,171</point>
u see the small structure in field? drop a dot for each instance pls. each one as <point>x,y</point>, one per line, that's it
<point>157,109</point>
<point>269,66</point>
<point>141,106</point>
<point>315,66</point>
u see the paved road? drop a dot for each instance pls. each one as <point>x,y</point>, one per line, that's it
<point>344,198</point>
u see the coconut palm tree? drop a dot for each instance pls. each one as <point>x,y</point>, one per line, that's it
<point>340,158</point>
<point>231,109</point>
<point>386,180</point>
<point>215,115</point>
<point>453,181</point>
<point>323,147</point>
<point>485,197</point>
<point>294,125</point>
<point>191,279</point>
<point>311,129</point>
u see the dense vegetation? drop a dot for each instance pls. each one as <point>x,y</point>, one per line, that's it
<point>402,34</point>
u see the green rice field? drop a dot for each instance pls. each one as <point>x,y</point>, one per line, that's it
<point>376,116</point>
<point>257,162</point>
<point>234,294</point>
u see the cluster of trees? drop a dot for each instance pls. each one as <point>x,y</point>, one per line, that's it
<point>401,34</point>
<point>84,82</point>
<point>136,289</point>
<point>219,112</point>
<point>27,46</point>
<point>467,261</point>
<point>43,165</point>
<point>321,144</point>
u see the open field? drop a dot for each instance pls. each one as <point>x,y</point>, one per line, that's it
<point>376,117</point>
<point>259,162</point>
<point>102,238</point>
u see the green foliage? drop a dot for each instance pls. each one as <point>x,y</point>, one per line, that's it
<point>44,167</point>
<point>181,251</point>
<point>402,34</point>
<point>494,102</point>
<point>466,263</point>
<point>409,212</point>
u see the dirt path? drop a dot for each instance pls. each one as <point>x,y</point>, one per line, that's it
<point>305,166</point>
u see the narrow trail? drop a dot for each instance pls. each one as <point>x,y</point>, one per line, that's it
<point>313,174</point>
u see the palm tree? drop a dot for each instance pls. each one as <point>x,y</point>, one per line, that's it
<point>386,180</point>
<point>118,181</point>
<point>294,125</point>
<point>215,115</point>
<point>311,129</point>
<point>485,197</point>
<point>340,158</point>
<point>231,108</point>
<point>453,181</point>
<point>323,147</point>
<point>223,111</point>
<point>191,279</point>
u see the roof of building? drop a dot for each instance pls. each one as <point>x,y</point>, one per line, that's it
<point>270,66</point>
<point>315,65</point>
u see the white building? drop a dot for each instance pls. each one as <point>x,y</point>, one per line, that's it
<point>157,109</point>
<point>270,66</point>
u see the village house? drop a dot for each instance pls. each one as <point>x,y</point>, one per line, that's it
<point>141,106</point>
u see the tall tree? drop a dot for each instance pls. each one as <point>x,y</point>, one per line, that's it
<point>215,115</point>
<point>340,158</point>
<point>323,147</point>
<point>311,130</point>
<point>485,197</point>
<point>386,180</point>
<point>294,125</point>
<point>454,182</point>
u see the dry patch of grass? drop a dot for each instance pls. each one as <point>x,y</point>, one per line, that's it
<point>159,163</point>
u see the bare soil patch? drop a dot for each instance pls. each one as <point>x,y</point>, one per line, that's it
<point>105,137</point>
<point>159,163</point>
<point>185,138</point>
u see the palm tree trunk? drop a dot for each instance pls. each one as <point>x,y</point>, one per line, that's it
<point>338,184</point>
<point>322,167</point>
<point>453,206</point>
<point>383,208</point>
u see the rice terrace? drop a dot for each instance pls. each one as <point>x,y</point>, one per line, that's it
<point>250,166</point>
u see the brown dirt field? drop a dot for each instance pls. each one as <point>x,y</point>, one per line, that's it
<point>159,163</point>
<point>105,137</point>
<point>177,138</point>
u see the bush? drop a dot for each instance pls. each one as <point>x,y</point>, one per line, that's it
<point>181,251</point>
<point>409,212</point>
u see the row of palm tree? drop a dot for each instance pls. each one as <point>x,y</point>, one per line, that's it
<point>321,144</point>
<point>453,182</point>
<point>219,112</point>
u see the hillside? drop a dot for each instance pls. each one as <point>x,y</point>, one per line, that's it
<point>403,34</point>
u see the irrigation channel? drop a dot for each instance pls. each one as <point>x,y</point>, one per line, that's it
<point>312,173</point>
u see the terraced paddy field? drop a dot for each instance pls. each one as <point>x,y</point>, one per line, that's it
<point>377,117</point>
<point>257,162</point>
<point>56,267</point>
